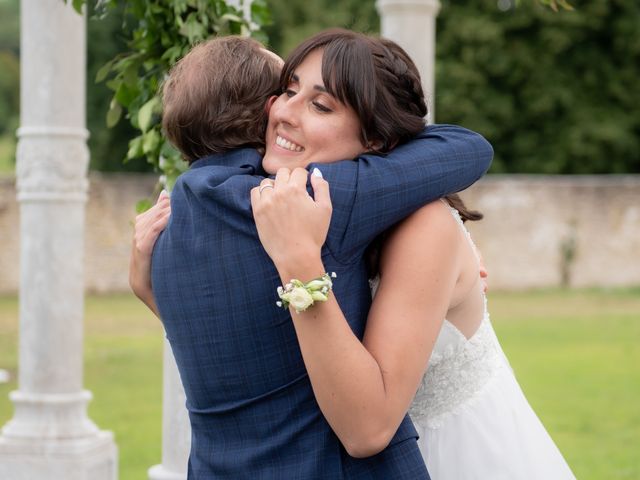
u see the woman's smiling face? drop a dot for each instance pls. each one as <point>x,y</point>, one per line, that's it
<point>309,125</point>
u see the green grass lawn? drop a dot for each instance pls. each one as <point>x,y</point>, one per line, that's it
<point>123,370</point>
<point>575,354</point>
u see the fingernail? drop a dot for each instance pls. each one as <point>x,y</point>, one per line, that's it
<point>316,172</point>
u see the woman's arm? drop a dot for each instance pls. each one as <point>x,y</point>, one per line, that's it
<point>363,389</point>
<point>374,193</point>
<point>147,228</point>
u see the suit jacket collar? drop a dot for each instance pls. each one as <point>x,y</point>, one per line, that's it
<point>236,158</point>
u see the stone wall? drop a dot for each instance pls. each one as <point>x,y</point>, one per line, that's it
<point>537,227</point>
<point>109,219</point>
<point>538,231</point>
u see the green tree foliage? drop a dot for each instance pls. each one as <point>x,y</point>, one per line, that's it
<point>293,21</point>
<point>9,26</point>
<point>553,92</point>
<point>9,67</point>
<point>157,34</point>
<point>106,38</point>
<point>555,5</point>
<point>9,85</point>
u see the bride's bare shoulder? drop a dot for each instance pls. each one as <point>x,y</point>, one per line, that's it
<point>433,218</point>
<point>431,228</point>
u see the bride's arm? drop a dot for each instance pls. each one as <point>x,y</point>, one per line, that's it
<point>363,389</point>
<point>147,228</point>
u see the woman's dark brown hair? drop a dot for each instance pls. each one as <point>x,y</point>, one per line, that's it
<point>214,98</point>
<point>374,77</point>
<point>378,79</point>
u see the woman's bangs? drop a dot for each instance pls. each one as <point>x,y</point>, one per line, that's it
<point>335,73</point>
<point>345,65</point>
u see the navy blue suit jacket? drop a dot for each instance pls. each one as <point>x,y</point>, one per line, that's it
<point>252,410</point>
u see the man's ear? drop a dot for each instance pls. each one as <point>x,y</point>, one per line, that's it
<point>374,145</point>
<point>267,106</point>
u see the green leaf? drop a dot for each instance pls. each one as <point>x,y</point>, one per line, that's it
<point>130,74</point>
<point>151,141</point>
<point>260,13</point>
<point>170,180</point>
<point>104,71</point>
<point>135,148</point>
<point>126,94</point>
<point>143,205</point>
<point>564,4</point>
<point>145,114</point>
<point>172,54</point>
<point>179,7</point>
<point>169,152</point>
<point>192,29</point>
<point>113,84</point>
<point>77,5</point>
<point>230,17</point>
<point>114,114</point>
<point>157,34</point>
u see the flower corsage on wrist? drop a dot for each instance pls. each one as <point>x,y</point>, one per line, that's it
<point>301,296</point>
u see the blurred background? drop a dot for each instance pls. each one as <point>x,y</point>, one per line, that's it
<point>556,93</point>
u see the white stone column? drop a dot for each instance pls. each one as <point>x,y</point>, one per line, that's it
<point>176,429</point>
<point>412,24</point>
<point>50,435</point>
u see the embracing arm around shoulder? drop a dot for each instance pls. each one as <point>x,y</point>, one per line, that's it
<point>377,192</point>
<point>364,389</point>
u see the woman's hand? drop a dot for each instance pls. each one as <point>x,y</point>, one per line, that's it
<point>484,273</point>
<point>291,225</point>
<point>147,228</point>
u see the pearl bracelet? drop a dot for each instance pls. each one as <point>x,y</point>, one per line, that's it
<point>301,296</point>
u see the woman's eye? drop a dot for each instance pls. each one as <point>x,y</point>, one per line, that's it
<point>289,93</point>
<point>321,107</point>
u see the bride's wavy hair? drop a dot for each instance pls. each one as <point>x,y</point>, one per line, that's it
<point>378,79</point>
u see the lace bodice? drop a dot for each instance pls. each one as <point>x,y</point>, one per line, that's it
<point>458,370</point>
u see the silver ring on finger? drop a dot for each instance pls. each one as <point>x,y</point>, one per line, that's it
<point>262,187</point>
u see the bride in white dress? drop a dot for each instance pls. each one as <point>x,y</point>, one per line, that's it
<point>452,375</point>
<point>472,417</point>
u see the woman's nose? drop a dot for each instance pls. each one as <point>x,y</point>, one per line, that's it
<point>288,110</point>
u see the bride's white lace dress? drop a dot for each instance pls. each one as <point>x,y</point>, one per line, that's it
<point>473,419</point>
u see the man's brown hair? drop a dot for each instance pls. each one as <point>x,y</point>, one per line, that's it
<point>214,98</point>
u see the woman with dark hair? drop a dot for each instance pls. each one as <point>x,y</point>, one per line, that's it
<point>429,346</point>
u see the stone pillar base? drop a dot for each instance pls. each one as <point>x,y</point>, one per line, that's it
<point>160,472</point>
<point>176,429</point>
<point>88,458</point>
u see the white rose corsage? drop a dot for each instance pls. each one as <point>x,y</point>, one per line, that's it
<point>301,296</point>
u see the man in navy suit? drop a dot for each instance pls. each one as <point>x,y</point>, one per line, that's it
<point>251,406</point>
